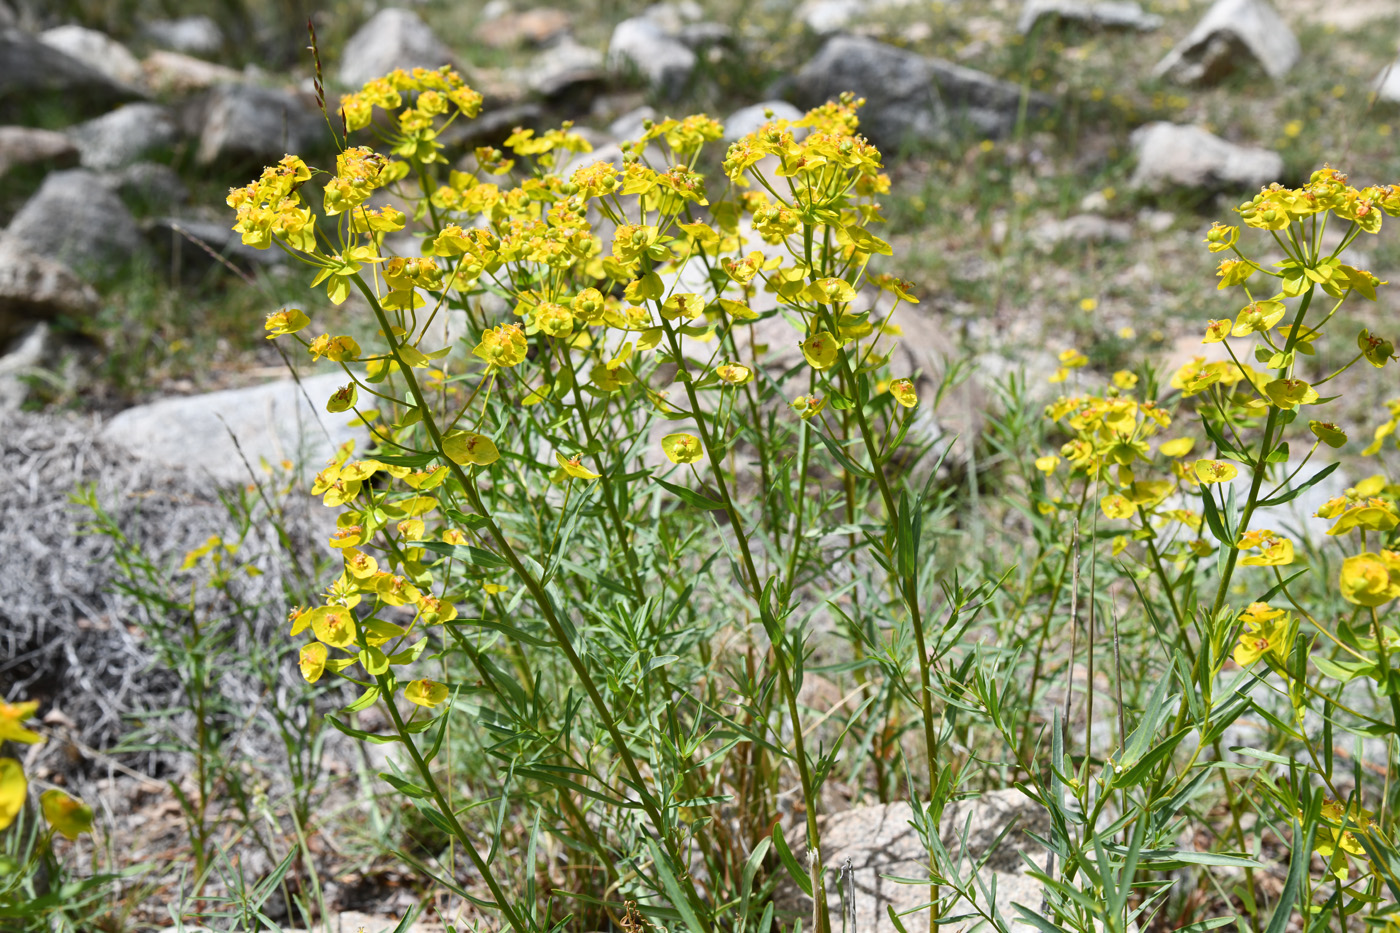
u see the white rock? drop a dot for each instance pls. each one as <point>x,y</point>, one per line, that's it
<point>879,842</point>
<point>178,73</point>
<point>639,45</point>
<point>393,38</point>
<point>273,421</point>
<point>193,35</point>
<point>1079,229</point>
<point>563,65</point>
<point>124,136</point>
<point>1387,83</point>
<point>1231,32</point>
<point>35,287</point>
<point>76,220</point>
<point>744,121</point>
<point>97,49</point>
<point>1171,155</point>
<point>27,354</point>
<point>258,125</point>
<point>1110,14</point>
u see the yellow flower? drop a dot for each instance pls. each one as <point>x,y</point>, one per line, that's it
<point>13,787</point>
<point>286,321</point>
<point>12,716</point>
<point>1370,579</point>
<point>468,448</point>
<point>502,346</point>
<point>338,349</point>
<point>1328,433</point>
<point>1374,514</point>
<point>808,406</point>
<point>1233,272</point>
<point>734,374</point>
<point>1290,393</point>
<point>1125,380</point>
<point>1073,359</point>
<point>1265,631</point>
<point>333,625</point>
<point>425,693</point>
<point>70,818</point>
<point>1258,318</point>
<point>1117,506</point>
<point>1214,471</point>
<point>820,350</point>
<point>1274,550</point>
<point>681,448</point>
<point>573,467</point>
<point>1337,845</point>
<point>312,661</point>
<point>903,392</point>
<point>1047,464</point>
<point>1177,447</point>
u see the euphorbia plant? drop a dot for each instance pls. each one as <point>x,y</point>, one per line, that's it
<point>610,521</point>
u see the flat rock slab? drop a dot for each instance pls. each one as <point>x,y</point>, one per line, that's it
<point>1232,33</point>
<point>864,848</point>
<point>1172,155</point>
<point>1108,14</point>
<point>273,422</point>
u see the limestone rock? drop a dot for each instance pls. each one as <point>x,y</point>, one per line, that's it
<point>1232,33</point>
<point>393,38</point>
<point>147,186</point>
<point>1080,229</point>
<point>563,67</point>
<point>96,50</point>
<point>539,26</point>
<point>22,357</point>
<point>36,76</point>
<point>1175,156</point>
<point>192,35</point>
<point>247,125</point>
<point>176,73</point>
<point>128,134</point>
<point>745,120</point>
<point>909,97</point>
<point>273,421</point>
<point>1387,83</point>
<point>75,219</point>
<point>185,246</point>
<point>1108,14</point>
<point>22,145</point>
<point>640,46</point>
<point>879,841</point>
<point>34,287</point>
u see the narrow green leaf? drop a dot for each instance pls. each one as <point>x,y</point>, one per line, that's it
<point>790,862</point>
<point>691,497</point>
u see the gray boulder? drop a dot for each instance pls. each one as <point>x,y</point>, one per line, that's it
<point>1081,229</point>
<point>147,187</point>
<point>393,38</point>
<point>640,46</point>
<point>1231,34</point>
<point>1108,14</point>
<point>537,27</point>
<point>878,842</point>
<point>176,73</point>
<point>74,218</point>
<point>246,125</point>
<point>35,77</point>
<point>564,66</point>
<point>34,288</point>
<point>276,421</point>
<point>96,50</point>
<point>192,248</point>
<point>910,97</point>
<point>746,120</point>
<point>23,145</point>
<point>25,355</point>
<point>1175,156</point>
<point>128,134</point>
<point>192,35</point>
